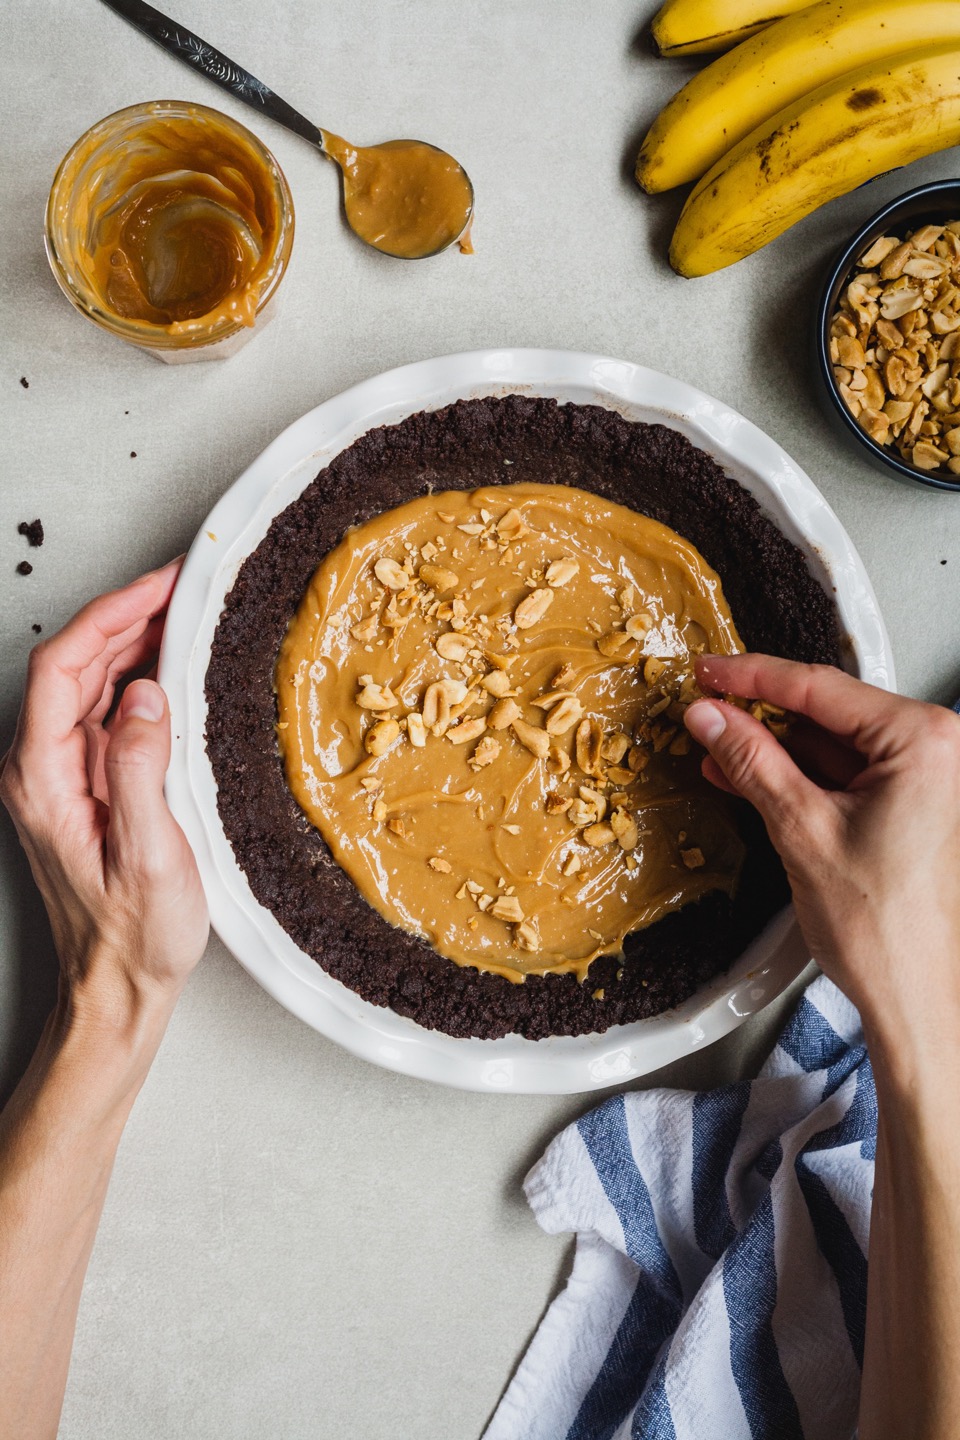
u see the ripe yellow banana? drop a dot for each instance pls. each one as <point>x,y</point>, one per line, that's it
<point>700,27</point>
<point>880,116</point>
<point>741,90</point>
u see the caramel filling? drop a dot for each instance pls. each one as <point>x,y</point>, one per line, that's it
<point>175,226</point>
<point>480,709</point>
<point>403,197</point>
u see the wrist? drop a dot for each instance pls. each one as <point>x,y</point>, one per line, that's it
<point>124,1010</point>
<point>92,1059</point>
<point>916,1063</point>
<point>107,989</point>
<point>109,1026</point>
<point>908,996</point>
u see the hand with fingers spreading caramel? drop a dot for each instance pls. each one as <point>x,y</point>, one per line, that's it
<point>865,814</point>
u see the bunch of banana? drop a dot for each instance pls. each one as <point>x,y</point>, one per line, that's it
<point>876,118</point>
<point>701,27</point>
<point>750,84</point>
<point>808,108</point>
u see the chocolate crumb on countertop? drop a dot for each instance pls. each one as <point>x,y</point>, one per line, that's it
<point>33,529</point>
<point>778,607</point>
<point>24,382</point>
<point>24,568</point>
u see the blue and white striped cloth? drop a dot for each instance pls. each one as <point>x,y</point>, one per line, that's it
<point>719,1284</point>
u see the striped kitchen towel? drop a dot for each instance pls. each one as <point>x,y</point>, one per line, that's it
<point>719,1284</point>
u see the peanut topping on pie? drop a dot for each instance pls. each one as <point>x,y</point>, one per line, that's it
<point>480,704</point>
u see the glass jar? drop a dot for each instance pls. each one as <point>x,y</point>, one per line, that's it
<point>171,225</point>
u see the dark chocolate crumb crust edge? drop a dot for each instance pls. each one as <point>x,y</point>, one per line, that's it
<point>778,606</point>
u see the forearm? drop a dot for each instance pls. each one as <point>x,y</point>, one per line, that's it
<point>58,1140</point>
<point>911,1376</point>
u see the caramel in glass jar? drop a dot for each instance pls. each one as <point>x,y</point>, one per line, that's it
<point>170,225</point>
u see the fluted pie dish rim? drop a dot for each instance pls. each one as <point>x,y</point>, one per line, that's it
<point>237,524</point>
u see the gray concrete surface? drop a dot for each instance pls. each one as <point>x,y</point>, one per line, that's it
<point>297,1244</point>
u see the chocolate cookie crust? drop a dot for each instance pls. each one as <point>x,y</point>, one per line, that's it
<point>778,607</point>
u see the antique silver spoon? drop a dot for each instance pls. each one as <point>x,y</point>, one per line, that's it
<point>404,197</point>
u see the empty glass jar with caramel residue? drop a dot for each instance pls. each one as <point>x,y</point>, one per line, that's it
<point>171,225</point>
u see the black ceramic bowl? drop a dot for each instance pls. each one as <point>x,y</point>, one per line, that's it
<point>929,205</point>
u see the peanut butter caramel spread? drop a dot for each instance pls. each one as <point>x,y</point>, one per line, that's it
<point>480,708</point>
<point>404,197</point>
<point>177,228</point>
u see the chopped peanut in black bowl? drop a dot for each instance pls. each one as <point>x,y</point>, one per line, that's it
<point>894,345</point>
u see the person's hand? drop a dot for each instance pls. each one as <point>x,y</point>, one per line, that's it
<point>867,825</point>
<point>83,781</point>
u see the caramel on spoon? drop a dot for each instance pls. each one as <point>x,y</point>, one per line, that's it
<point>404,197</point>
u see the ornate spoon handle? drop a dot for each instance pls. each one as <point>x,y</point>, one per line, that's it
<point>226,73</point>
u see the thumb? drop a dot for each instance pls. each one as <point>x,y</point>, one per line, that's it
<point>135,764</point>
<point>751,761</point>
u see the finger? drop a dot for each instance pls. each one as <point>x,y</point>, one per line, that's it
<point>98,735</point>
<point>98,738</point>
<point>98,724</point>
<point>845,707</point>
<point>828,761</point>
<point>110,621</point>
<point>56,697</point>
<point>752,763</point>
<point>140,652</point>
<point>56,769</point>
<point>712,772</point>
<point>86,687</point>
<point>141,831</point>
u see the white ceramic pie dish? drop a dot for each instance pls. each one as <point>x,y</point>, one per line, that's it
<point>237,524</point>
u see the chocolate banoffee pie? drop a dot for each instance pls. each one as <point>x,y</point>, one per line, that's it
<point>446,704</point>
